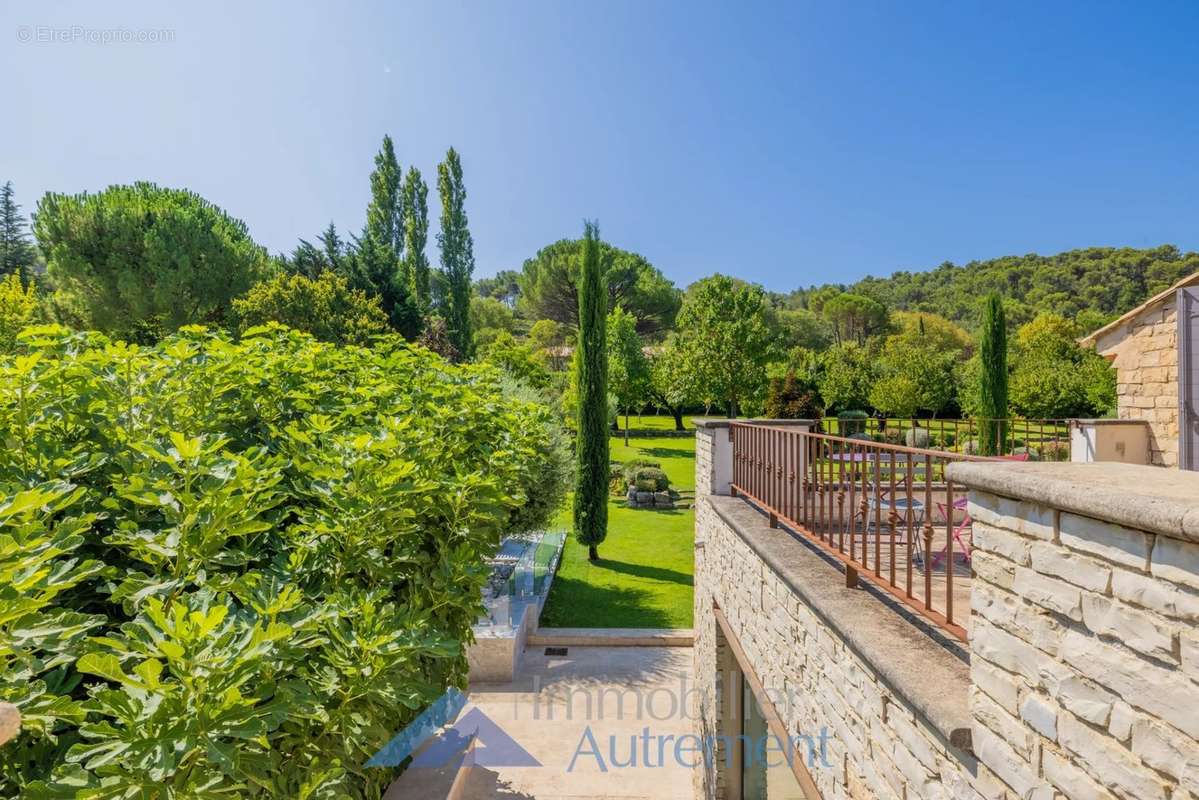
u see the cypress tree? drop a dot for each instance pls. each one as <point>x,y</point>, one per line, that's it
<point>415,193</point>
<point>16,252</point>
<point>457,254</point>
<point>993,384</point>
<point>591,372</point>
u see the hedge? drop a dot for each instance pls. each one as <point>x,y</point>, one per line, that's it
<point>237,569</point>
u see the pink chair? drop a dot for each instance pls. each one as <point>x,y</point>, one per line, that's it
<point>961,530</point>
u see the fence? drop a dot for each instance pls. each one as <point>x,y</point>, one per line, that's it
<point>886,512</point>
<point>1041,439</point>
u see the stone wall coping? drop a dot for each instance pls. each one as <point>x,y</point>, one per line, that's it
<point>1089,422</point>
<point>1153,499</point>
<point>926,675</point>
<point>722,422</point>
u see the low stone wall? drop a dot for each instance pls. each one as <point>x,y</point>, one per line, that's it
<point>891,700</point>
<point>1085,654</point>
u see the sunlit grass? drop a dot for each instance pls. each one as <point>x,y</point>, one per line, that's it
<point>644,576</point>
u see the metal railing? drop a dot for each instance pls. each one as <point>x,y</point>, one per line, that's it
<point>1041,439</point>
<point>887,512</point>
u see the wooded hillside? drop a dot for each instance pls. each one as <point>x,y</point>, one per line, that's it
<point>1092,285</point>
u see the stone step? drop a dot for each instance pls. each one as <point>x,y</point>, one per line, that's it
<point>612,637</point>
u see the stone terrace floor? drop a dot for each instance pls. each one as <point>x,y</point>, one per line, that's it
<point>583,691</point>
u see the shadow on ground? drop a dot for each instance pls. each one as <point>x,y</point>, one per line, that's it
<point>643,571</point>
<point>668,452</point>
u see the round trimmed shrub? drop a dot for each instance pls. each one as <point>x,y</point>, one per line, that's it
<point>851,422</point>
<point>653,477</point>
<point>916,437</point>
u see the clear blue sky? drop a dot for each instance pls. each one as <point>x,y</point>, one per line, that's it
<point>786,144</point>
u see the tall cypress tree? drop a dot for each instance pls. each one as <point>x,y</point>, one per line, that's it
<point>591,371</point>
<point>415,200</point>
<point>457,254</point>
<point>384,214</point>
<point>375,263</point>
<point>993,384</point>
<point>16,251</point>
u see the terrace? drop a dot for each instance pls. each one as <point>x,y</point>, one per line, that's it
<point>946,617</point>
<point>888,514</point>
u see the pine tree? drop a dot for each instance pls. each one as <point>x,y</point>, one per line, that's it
<point>414,197</point>
<point>16,252</point>
<point>591,371</point>
<point>993,401</point>
<point>333,246</point>
<point>457,254</point>
<point>373,269</point>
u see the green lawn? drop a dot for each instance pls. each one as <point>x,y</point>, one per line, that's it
<point>659,422</point>
<point>675,453</point>
<point>644,576</point>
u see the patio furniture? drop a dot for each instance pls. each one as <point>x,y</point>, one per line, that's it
<point>959,530</point>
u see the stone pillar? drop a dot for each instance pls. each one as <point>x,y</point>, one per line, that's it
<point>1084,644</point>
<point>714,451</point>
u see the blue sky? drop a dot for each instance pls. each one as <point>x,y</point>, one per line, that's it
<point>788,143</point>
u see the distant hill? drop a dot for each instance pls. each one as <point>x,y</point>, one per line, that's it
<point>1092,286</point>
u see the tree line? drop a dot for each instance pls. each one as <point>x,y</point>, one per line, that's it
<point>901,347</point>
<point>140,261</point>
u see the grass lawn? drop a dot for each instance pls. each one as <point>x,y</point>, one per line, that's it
<point>644,576</point>
<point>659,422</point>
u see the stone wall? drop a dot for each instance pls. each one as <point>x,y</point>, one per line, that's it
<point>880,742</point>
<point>1144,352</point>
<point>1081,678</point>
<point>1085,654</point>
<point>892,698</point>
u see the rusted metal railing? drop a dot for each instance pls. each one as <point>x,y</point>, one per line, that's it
<point>887,512</point>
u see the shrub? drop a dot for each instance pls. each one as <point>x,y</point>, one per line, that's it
<point>1056,450</point>
<point>18,305</point>
<point>652,477</point>
<point>851,422</point>
<point>788,398</point>
<point>916,437</point>
<point>324,306</point>
<point>631,468</point>
<point>247,564</point>
<point>617,483</point>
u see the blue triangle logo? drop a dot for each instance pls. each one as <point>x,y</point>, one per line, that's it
<point>493,747</point>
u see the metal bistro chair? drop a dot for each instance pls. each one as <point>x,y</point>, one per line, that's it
<point>880,503</point>
<point>961,529</point>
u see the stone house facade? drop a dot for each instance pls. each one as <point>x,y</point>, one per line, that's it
<point>1144,346</point>
<point>1079,679</point>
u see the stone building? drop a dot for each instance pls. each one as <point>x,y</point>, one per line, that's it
<point>1155,351</point>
